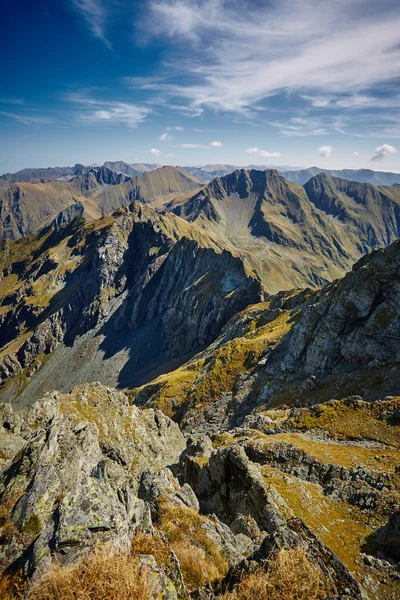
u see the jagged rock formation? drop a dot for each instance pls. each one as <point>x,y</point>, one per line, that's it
<point>128,293</point>
<point>92,470</point>
<point>75,483</point>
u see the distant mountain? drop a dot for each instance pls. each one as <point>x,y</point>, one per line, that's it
<point>201,175</point>
<point>295,236</point>
<point>28,207</point>
<point>42,174</point>
<point>301,176</point>
<point>122,167</point>
<point>298,175</point>
<point>156,188</point>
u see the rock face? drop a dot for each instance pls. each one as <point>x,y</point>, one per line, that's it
<point>352,323</point>
<point>75,483</point>
<point>296,348</point>
<point>145,288</point>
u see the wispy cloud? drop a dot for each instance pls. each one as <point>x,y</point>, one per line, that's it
<point>267,154</point>
<point>259,49</point>
<point>325,151</point>
<point>14,101</point>
<point>158,154</point>
<point>28,119</point>
<point>95,111</point>
<point>190,145</point>
<point>165,137</point>
<point>94,14</point>
<point>264,153</point>
<point>382,151</point>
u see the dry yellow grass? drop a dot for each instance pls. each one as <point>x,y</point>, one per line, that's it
<point>11,588</point>
<point>98,576</point>
<point>291,576</point>
<point>200,558</point>
<point>154,546</point>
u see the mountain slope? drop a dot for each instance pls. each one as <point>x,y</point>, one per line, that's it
<point>297,348</point>
<point>294,236</point>
<point>113,300</point>
<point>371,214</point>
<point>119,166</point>
<point>28,207</point>
<point>156,188</point>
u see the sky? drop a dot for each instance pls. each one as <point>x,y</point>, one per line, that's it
<point>191,82</point>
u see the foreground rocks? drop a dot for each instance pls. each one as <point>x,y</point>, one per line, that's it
<point>91,470</point>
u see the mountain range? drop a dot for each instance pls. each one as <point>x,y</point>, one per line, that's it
<point>204,174</point>
<point>28,207</point>
<point>250,326</point>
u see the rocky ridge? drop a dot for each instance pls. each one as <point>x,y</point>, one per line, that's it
<point>139,284</point>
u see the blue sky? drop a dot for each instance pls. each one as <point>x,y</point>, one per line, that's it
<point>284,82</point>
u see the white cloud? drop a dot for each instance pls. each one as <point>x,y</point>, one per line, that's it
<point>382,151</point>
<point>190,145</point>
<point>164,137</point>
<point>356,153</point>
<point>320,102</point>
<point>112,112</point>
<point>179,128</point>
<point>325,151</point>
<point>158,154</point>
<point>252,150</point>
<point>267,154</point>
<point>95,15</point>
<point>323,48</point>
<point>264,153</point>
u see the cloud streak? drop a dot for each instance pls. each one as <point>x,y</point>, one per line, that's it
<point>108,112</point>
<point>94,14</point>
<point>259,50</point>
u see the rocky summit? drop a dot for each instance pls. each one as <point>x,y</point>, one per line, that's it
<point>200,387</point>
